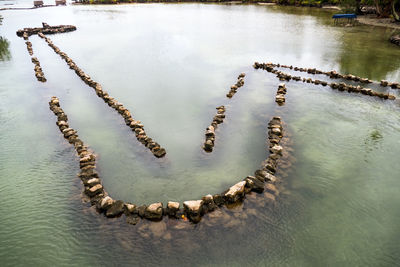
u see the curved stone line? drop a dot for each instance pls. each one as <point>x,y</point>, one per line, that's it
<point>335,75</point>
<point>193,209</point>
<point>340,86</point>
<point>136,126</point>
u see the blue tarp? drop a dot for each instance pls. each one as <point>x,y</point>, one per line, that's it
<point>344,16</point>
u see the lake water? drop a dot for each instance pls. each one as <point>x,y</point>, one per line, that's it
<point>171,65</point>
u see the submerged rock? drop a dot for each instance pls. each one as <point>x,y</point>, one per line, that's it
<point>116,209</point>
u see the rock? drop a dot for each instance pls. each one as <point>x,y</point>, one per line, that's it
<point>235,192</point>
<point>209,202</point>
<point>172,208</point>
<point>106,203</point>
<point>208,146</point>
<point>159,153</point>
<point>93,182</point>
<point>218,200</point>
<point>141,210</point>
<point>276,149</point>
<point>130,208</point>
<point>94,190</point>
<point>154,211</point>
<point>116,209</point>
<point>193,209</point>
<point>271,178</point>
<point>254,184</point>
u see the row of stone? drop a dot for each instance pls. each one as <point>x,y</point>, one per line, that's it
<point>29,47</point>
<point>87,160</point>
<point>334,75</point>
<point>210,131</point>
<point>192,209</point>
<point>136,126</point>
<point>38,70</point>
<point>46,29</point>
<point>239,83</point>
<point>340,86</point>
<point>280,94</point>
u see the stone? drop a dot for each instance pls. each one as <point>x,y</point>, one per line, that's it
<point>277,149</point>
<point>94,190</point>
<point>218,200</point>
<point>106,202</point>
<point>235,192</point>
<point>141,210</point>
<point>261,175</point>
<point>116,209</point>
<point>208,146</point>
<point>130,208</point>
<point>93,182</point>
<point>193,209</point>
<point>172,208</point>
<point>154,211</point>
<point>277,131</point>
<point>254,184</point>
<point>159,153</point>
<point>209,202</point>
<point>271,178</point>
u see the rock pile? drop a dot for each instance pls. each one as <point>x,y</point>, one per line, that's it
<point>239,83</point>
<point>46,29</point>
<point>38,70</point>
<point>395,39</point>
<point>210,131</point>
<point>340,86</point>
<point>136,126</point>
<point>280,94</point>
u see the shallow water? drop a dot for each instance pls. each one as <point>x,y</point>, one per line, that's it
<point>171,65</point>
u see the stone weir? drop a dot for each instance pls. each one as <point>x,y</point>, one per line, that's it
<point>46,29</point>
<point>340,86</point>
<point>191,209</point>
<point>136,126</point>
<point>239,83</point>
<point>210,131</point>
<point>333,74</point>
<point>38,69</point>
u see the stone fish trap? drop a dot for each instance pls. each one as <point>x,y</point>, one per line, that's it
<point>192,209</point>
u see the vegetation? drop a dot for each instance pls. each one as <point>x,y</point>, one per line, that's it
<point>384,8</point>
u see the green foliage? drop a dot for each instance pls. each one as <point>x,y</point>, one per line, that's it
<point>4,49</point>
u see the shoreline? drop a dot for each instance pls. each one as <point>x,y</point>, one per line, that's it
<point>372,20</point>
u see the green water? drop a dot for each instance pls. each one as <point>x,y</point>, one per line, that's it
<point>171,65</point>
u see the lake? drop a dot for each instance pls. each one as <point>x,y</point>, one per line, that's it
<point>171,65</point>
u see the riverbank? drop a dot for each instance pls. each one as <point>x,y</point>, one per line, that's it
<point>372,20</point>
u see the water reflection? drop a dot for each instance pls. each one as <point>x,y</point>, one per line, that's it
<point>4,49</point>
